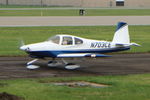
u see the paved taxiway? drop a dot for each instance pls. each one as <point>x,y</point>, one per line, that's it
<point>120,64</point>
<point>72,20</point>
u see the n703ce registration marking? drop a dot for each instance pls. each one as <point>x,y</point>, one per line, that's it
<point>100,45</point>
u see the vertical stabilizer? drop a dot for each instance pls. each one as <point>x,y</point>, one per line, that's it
<point>122,34</point>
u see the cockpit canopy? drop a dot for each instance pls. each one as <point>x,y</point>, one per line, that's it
<point>66,40</point>
<point>55,39</point>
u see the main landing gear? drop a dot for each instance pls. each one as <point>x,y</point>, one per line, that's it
<point>53,63</point>
<point>70,66</point>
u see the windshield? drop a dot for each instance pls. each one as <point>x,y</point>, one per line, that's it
<point>54,39</point>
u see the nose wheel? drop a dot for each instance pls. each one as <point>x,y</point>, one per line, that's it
<point>30,66</point>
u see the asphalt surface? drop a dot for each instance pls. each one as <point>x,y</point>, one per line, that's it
<point>120,64</point>
<point>72,20</point>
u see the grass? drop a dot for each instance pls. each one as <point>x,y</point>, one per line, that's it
<point>10,36</point>
<point>75,12</point>
<point>129,87</point>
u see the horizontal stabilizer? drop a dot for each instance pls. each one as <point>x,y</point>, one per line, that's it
<point>130,44</point>
<point>135,44</point>
<point>76,55</point>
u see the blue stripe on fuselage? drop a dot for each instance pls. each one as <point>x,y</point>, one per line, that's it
<point>42,54</point>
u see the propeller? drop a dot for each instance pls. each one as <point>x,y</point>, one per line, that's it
<point>22,43</point>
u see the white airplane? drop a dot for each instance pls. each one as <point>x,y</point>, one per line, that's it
<point>68,46</point>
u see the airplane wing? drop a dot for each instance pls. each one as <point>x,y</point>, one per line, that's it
<point>76,55</point>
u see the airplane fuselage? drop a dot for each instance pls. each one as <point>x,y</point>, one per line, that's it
<point>49,49</point>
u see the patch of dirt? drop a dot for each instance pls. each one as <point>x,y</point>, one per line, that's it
<point>6,96</point>
<point>80,84</point>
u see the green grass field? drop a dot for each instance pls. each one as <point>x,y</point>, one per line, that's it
<point>75,12</point>
<point>129,87</point>
<point>10,36</point>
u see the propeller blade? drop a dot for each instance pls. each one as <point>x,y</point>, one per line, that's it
<point>21,43</point>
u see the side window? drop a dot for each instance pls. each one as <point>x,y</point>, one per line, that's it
<point>67,41</point>
<point>78,41</point>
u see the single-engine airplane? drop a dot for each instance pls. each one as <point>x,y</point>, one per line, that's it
<point>68,46</point>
